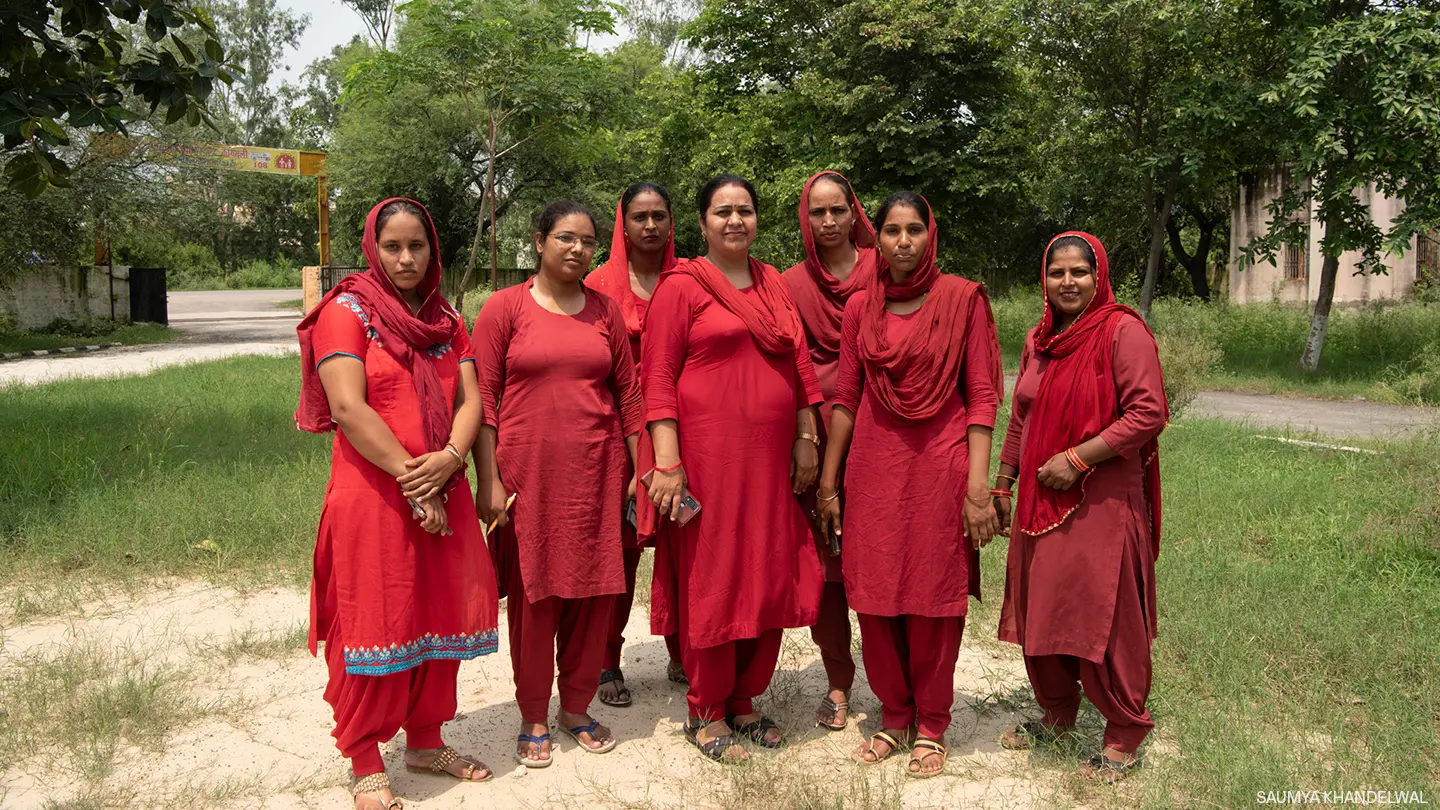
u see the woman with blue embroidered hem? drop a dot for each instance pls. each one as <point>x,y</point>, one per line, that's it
<point>562,418</point>
<point>403,589</point>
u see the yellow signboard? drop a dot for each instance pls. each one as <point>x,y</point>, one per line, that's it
<point>239,158</point>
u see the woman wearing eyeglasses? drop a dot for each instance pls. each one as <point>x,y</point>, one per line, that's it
<point>561,409</point>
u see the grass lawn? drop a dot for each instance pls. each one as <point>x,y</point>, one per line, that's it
<point>128,335</point>
<point>1388,353</point>
<point>1299,630</point>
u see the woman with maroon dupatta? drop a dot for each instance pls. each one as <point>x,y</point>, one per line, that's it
<point>1080,580</point>
<point>403,589</point>
<point>840,260</point>
<point>643,247</point>
<point>918,390</point>
<point>562,420</point>
<point>729,396</point>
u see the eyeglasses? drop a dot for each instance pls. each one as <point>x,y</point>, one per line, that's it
<point>569,240</point>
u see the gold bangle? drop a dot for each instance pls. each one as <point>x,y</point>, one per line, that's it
<point>809,437</point>
<point>819,499</point>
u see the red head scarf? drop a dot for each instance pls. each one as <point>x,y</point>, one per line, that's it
<point>912,379</point>
<point>403,333</point>
<point>774,324</point>
<point>613,277</point>
<point>819,296</point>
<point>1076,401</point>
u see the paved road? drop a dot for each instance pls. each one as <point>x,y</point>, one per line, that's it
<point>212,325</point>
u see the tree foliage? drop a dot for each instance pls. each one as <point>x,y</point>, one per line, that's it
<point>74,65</point>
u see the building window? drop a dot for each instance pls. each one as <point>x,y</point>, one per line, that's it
<point>1427,256</point>
<point>1296,263</point>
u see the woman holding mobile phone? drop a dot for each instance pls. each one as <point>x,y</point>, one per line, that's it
<point>1082,448</point>
<point>729,399</point>
<point>643,247</point>
<point>840,260</point>
<point>403,589</point>
<point>562,416</point>
<point>915,405</point>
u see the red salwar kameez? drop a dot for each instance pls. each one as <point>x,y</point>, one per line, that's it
<point>820,300</point>
<point>908,566</point>
<point>398,608</point>
<point>613,279</point>
<point>745,568</point>
<point>561,392</point>
<point>1080,577</point>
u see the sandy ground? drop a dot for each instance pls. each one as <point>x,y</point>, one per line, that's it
<point>267,744</point>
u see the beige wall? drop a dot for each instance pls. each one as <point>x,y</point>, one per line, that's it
<point>37,297</point>
<point>1265,281</point>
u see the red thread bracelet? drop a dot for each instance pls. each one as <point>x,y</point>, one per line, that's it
<point>671,468</point>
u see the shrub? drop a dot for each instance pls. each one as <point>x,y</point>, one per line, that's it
<point>260,274</point>
<point>1416,381</point>
<point>1187,356</point>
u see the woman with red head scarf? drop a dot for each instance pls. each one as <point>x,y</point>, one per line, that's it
<point>561,421</point>
<point>729,396</point>
<point>643,247</point>
<point>840,260</point>
<point>403,589</point>
<point>918,389</point>
<point>1080,580</point>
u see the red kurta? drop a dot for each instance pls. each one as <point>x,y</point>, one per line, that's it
<point>1061,587</point>
<point>561,392</point>
<point>905,481</point>
<point>751,563</point>
<point>372,558</point>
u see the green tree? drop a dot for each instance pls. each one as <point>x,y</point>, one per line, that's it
<point>515,67</point>
<point>70,65</point>
<point>1357,105</point>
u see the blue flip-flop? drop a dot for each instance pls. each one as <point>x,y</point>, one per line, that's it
<point>537,762</point>
<point>590,728</point>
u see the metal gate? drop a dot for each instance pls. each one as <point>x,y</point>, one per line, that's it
<point>148,300</point>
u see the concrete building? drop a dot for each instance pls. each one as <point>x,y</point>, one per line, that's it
<point>1295,275</point>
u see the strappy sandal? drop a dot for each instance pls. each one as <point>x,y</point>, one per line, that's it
<point>1107,771</point>
<point>923,748</point>
<point>535,762</point>
<point>755,730</point>
<point>589,728</point>
<point>883,737</point>
<point>610,676</point>
<point>1031,733</point>
<point>716,748</point>
<point>834,707</point>
<point>374,783</point>
<point>675,671</point>
<point>444,758</point>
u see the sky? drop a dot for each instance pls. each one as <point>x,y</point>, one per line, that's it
<point>333,24</point>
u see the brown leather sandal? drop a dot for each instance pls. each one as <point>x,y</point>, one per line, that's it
<point>926,748</point>
<point>834,707</point>
<point>869,748</point>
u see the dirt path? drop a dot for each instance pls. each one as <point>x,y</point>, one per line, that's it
<point>261,737</point>
<point>1331,418</point>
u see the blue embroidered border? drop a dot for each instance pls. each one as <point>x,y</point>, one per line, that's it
<point>351,303</point>
<point>400,657</point>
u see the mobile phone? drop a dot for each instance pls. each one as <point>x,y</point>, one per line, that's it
<point>630,512</point>
<point>689,507</point>
<point>834,543</point>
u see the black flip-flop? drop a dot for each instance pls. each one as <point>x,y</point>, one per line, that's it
<point>611,675</point>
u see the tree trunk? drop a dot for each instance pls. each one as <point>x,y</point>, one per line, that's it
<point>470,260</point>
<point>1198,265</point>
<point>1157,247</point>
<point>490,185</point>
<point>1320,321</point>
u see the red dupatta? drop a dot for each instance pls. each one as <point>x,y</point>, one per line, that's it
<point>403,333</point>
<point>613,277</point>
<point>912,379</point>
<point>1075,401</point>
<point>774,325</point>
<point>820,297</point>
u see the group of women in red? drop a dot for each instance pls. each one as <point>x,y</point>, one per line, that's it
<point>793,445</point>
